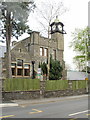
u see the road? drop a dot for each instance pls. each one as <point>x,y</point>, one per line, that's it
<point>68,107</point>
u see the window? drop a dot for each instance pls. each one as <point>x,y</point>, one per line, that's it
<point>13,64</point>
<point>26,69</point>
<point>19,72</point>
<point>54,51</point>
<point>13,71</point>
<point>46,52</point>
<point>19,62</point>
<point>28,47</point>
<point>26,72</point>
<point>26,65</point>
<point>41,51</point>
<point>20,50</point>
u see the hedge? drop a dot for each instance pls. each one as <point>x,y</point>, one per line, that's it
<point>18,84</point>
<point>78,84</point>
<point>56,84</point>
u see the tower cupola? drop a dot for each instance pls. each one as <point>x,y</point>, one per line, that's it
<point>57,26</point>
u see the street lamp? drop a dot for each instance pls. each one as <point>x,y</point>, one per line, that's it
<point>33,72</point>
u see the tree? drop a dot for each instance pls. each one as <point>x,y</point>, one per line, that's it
<point>55,72</point>
<point>80,46</point>
<point>43,67</point>
<point>46,12</point>
<point>13,19</point>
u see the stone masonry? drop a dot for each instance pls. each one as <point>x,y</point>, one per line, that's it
<point>35,48</point>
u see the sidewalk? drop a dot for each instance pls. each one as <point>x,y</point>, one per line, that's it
<point>39,101</point>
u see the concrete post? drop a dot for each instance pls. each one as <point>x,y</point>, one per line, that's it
<point>69,84</point>
<point>42,87</point>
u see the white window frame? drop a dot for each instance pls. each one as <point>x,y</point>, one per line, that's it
<point>45,52</point>
<point>41,51</point>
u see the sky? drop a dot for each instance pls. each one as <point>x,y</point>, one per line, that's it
<point>75,17</point>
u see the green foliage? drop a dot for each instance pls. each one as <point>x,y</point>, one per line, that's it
<point>80,44</point>
<point>13,19</point>
<point>18,13</point>
<point>18,84</point>
<point>55,72</point>
<point>56,84</point>
<point>43,66</point>
<point>88,69</point>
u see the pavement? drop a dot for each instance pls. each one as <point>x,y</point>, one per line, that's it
<point>13,103</point>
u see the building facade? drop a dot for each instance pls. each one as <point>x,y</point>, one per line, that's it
<point>33,50</point>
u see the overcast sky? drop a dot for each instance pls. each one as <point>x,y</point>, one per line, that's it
<point>76,17</point>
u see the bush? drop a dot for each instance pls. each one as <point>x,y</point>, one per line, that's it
<point>56,84</point>
<point>19,84</point>
<point>55,72</point>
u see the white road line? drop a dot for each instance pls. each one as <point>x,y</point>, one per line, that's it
<point>8,105</point>
<point>78,113</point>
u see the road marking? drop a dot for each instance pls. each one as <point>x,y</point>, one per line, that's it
<point>8,105</point>
<point>36,111</point>
<point>78,113</point>
<point>87,114</point>
<point>7,116</point>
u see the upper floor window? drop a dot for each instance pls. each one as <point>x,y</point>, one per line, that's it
<point>46,52</point>
<point>19,50</point>
<point>54,53</point>
<point>41,51</point>
<point>28,47</point>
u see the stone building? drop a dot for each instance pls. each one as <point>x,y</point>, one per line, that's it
<point>29,52</point>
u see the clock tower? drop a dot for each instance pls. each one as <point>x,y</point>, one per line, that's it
<point>57,33</point>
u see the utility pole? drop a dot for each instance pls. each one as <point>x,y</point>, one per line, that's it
<point>48,58</point>
<point>85,41</point>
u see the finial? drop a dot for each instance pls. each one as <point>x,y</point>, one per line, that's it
<point>56,20</point>
<point>56,16</point>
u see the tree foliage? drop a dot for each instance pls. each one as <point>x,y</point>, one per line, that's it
<point>43,67</point>
<point>13,23</point>
<point>80,44</point>
<point>55,72</point>
<point>18,13</point>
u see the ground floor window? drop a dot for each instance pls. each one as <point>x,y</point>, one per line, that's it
<point>26,72</point>
<point>13,71</point>
<point>19,71</point>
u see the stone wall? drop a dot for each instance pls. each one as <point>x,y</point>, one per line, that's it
<point>27,95</point>
<point>61,93</point>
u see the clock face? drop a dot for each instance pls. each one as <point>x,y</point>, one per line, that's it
<point>53,27</point>
<point>60,27</point>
